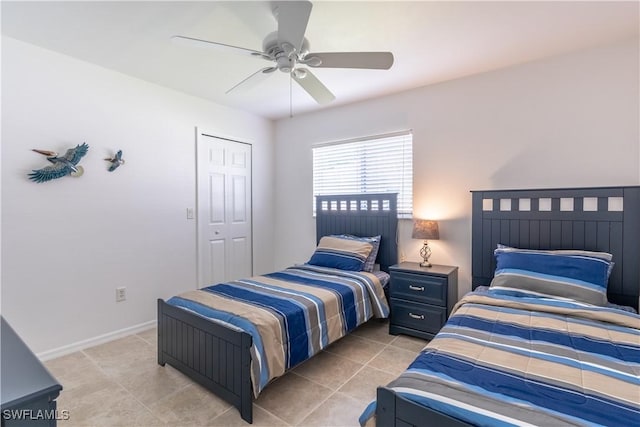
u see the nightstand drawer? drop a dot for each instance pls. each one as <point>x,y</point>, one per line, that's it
<point>425,318</point>
<point>419,288</point>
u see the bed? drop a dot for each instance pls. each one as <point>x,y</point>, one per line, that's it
<point>510,354</point>
<point>227,353</point>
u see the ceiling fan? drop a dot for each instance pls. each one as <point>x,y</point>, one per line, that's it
<point>288,50</point>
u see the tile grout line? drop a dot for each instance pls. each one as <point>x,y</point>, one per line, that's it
<point>129,392</point>
<point>161,399</point>
<point>267,411</point>
<point>350,378</point>
<point>384,346</point>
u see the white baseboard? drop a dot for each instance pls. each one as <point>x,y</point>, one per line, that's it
<point>101,339</point>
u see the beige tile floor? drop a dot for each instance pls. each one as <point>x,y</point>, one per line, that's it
<point>120,384</point>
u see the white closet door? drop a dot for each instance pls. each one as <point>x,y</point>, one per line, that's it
<point>224,210</point>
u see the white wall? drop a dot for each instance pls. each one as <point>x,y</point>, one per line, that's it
<point>67,244</point>
<point>565,121</point>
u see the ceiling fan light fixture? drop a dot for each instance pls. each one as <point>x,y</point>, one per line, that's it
<point>313,61</point>
<point>299,73</point>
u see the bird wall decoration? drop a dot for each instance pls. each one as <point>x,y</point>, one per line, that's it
<point>60,165</point>
<point>116,161</point>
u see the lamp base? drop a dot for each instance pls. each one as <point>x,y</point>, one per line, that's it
<point>425,254</point>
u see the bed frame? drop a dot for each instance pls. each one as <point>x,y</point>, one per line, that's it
<point>219,358</point>
<point>603,219</point>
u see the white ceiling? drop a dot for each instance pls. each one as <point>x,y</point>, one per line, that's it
<point>431,41</point>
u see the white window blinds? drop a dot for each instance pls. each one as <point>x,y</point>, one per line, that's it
<point>381,164</point>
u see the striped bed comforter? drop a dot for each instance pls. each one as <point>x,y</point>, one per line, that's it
<point>291,314</point>
<point>504,360</point>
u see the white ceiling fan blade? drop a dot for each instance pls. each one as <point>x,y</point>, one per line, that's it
<point>190,41</point>
<point>312,85</point>
<point>253,79</point>
<point>292,17</point>
<point>371,60</point>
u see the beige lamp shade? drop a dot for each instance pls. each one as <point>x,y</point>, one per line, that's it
<point>425,229</point>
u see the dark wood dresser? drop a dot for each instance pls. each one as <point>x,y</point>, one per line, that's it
<point>27,390</point>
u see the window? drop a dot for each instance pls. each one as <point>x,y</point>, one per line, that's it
<point>380,164</point>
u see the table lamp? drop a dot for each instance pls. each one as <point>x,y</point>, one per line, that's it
<point>427,230</point>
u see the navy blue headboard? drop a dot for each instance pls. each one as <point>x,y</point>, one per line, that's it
<point>603,219</point>
<point>362,215</point>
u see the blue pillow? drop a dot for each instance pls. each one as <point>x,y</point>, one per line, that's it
<point>344,254</point>
<point>578,275</point>
<point>370,262</point>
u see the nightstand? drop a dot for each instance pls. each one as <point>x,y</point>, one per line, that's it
<point>421,298</point>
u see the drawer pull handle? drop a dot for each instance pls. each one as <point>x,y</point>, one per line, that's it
<point>417,316</point>
<point>416,288</point>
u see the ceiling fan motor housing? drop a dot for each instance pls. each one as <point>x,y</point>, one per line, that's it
<point>284,54</point>
<point>285,63</point>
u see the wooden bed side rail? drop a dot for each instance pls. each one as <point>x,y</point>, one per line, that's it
<point>393,410</point>
<point>215,356</point>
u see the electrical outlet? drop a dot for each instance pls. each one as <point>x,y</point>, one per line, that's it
<point>189,213</point>
<point>121,294</point>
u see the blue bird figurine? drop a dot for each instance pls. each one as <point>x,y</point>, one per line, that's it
<point>61,165</point>
<point>116,161</point>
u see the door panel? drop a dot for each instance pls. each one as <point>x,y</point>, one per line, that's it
<point>216,198</point>
<point>216,156</point>
<point>216,262</point>
<point>241,250</point>
<point>239,160</point>
<point>239,199</point>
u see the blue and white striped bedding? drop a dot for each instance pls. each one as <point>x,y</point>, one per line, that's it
<point>291,314</point>
<point>512,361</point>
